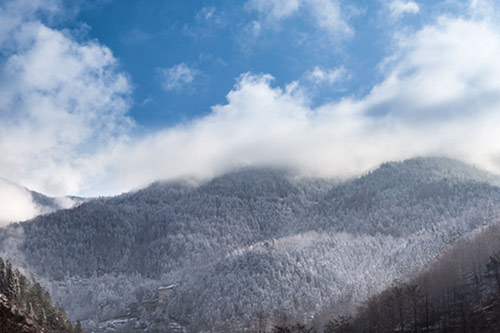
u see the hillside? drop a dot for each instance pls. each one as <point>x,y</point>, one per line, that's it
<point>26,308</point>
<point>256,243</point>
<point>459,291</point>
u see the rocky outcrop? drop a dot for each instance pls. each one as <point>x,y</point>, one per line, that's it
<point>13,320</point>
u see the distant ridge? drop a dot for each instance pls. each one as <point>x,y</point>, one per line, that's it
<point>19,203</point>
<point>439,168</point>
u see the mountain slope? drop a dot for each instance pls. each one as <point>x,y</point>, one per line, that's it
<point>257,241</point>
<point>403,198</point>
<point>12,320</point>
<point>459,291</point>
<point>26,307</point>
<point>163,223</point>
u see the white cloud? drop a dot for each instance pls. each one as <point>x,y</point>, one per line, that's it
<point>329,16</point>
<point>484,9</point>
<point>400,7</point>
<point>61,101</point>
<point>254,28</point>
<point>16,203</point>
<point>325,14</point>
<point>14,13</point>
<point>440,96</point>
<point>177,77</point>
<point>207,13</point>
<point>440,68</point>
<point>320,75</point>
<point>274,9</point>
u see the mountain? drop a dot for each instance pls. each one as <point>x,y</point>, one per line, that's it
<point>402,198</point>
<point>251,248</point>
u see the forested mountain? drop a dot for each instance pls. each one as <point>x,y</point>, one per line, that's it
<point>458,292</point>
<point>51,204</point>
<point>251,249</point>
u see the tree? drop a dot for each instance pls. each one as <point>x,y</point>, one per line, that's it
<point>13,290</point>
<point>78,327</point>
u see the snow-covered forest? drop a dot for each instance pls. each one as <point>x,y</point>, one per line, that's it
<point>458,292</point>
<point>255,248</point>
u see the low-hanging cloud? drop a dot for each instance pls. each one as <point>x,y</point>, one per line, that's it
<point>16,203</point>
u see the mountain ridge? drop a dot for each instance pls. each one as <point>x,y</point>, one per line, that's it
<point>19,203</point>
<point>259,228</point>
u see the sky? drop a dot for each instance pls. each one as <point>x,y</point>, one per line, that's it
<point>101,97</point>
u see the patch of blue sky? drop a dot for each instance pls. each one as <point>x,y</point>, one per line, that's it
<point>220,40</point>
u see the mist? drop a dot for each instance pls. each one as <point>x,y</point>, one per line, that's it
<point>16,203</point>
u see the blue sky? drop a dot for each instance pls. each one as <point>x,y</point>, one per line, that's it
<point>100,97</point>
<point>216,41</point>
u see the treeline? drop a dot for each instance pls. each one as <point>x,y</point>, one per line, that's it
<point>31,299</point>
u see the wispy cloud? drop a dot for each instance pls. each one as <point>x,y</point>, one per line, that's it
<point>326,15</point>
<point>210,15</point>
<point>330,76</point>
<point>274,9</point>
<point>207,13</point>
<point>177,77</point>
<point>398,8</point>
<point>329,16</point>
<point>484,9</point>
<point>208,20</point>
<point>253,29</point>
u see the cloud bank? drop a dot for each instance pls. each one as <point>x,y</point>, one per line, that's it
<point>64,128</point>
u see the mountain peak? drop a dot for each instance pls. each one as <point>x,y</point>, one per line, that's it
<point>435,168</point>
<point>252,182</point>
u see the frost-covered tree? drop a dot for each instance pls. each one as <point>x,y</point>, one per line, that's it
<point>247,246</point>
